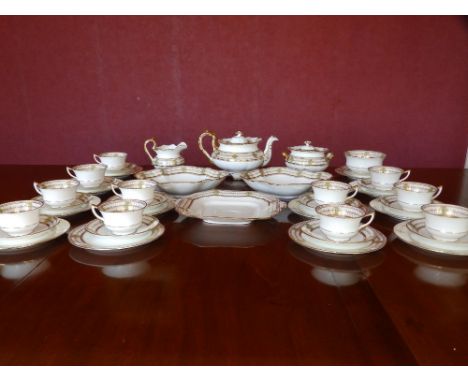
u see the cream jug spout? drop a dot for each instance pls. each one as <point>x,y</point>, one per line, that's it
<point>268,150</point>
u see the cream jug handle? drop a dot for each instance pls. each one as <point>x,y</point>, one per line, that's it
<point>213,142</point>
<point>96,212</point>
<point>439,191</point>
<point>405,175</point>
<point>97,159</point>
<point>356,189</point>
<point>114,190</point>
<point>371,218</point>
<point>36,187</point>
<point>153,142</point>
<point>71,172</point>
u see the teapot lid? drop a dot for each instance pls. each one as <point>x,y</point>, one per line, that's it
<point>239,139</point>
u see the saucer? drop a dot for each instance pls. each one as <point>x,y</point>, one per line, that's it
<point>345,171</point>
<point>82,203</point>
<point>48,229</point>
<point>389,205</point>
<point>366,187</point>
<point>417,235</point>
<point>305,205</point>
<point>101,189</point>
<point>81,238</point>
<point>127,170</point>
<point>160,204</point>
<point>370,240</point>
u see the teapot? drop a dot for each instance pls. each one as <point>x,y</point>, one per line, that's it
<point>308,157</point>
<point>165,155</point>
<point>238,153</point>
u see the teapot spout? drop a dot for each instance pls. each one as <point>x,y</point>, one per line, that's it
<point>268,150</point>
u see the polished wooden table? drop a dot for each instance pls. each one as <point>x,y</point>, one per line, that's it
<point>232,295</point>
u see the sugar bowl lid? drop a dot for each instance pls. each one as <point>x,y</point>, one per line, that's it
<point>239,139</point>
<point>307,147</point>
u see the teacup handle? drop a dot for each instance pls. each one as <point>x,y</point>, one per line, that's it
<point>405,175</point>
<point>71,172</point>
<point>152,225</point>
<point>96,212</point>
<point>36,187</point>
<point>213,143</point>
<point>153,142</point>
<point>97,159</point>
<point>356,190</point>
<point>371,218</point>
<point>439,191</point>
<point>114,190</point>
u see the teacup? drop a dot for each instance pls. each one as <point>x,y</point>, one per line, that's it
<point>121,217</point>
<point>332,191</point>
<point>113,160</point>
<point>57,193</point>
<point>135,189</point>
<point>386,176</point>
<point>413,195</point>
<point>89,175</point>
<point>361,160</point>
<point>340,222</point>
<point>446,222</point>
<point>19,218</point>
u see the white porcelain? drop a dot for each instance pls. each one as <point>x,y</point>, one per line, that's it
<point>127,170</point>
<point>390,206</point>
<point>419,237</point>
<point>103,236</point>
<point>82,203</point>
<point>229,207</point>
<point>164,155</point>
<point>121,217</point>
<point>20,217</point>
<point>104,187</point>
<point>238,153</point>
<point>113,160</point>
<point>385,177</point>
<point>332,191</point>
<point>446,222</point>
<point>45,224</point>
<point>32,240</point>
<point>135,189</point>
<point>413,195</point>
<point>361,160</point>
<point>340,222</point>
<point>89,175</point>
<point>345,171</point>
<point>185,180</point>
<point>307,151</point>
<point>365,187</point>
<point>305,205</point>
<point>282,182</point>
<point>311,165</point>
<point>321,244</point>
<point>57,193</point>
<point>161,203</point>
<point>81,238</point>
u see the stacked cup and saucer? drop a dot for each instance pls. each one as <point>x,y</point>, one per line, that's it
<point>382,180</point>
<point>325,192</point>
<point>358,163</point>
<point>407,201</point>
<point>121,222</point>
<point>443,229</point>
<point>117,165</point>
<point>61,199</point>
<point>339,228</point>
<point>92,178</point>
<point>23,227</point>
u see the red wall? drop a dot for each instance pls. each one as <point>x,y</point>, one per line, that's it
<point>72,86</point>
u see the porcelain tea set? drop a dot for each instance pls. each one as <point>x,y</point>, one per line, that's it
<point>337,221</point>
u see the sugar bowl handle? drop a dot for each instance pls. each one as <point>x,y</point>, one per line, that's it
<point>213,143</point>
<point>153,147</point>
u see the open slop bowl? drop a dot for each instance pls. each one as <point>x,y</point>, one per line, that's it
<point>184,180</point>
<point>282,182</point>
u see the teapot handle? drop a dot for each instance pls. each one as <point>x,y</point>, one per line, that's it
<point>153,141</point>
<point>213,142</point>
